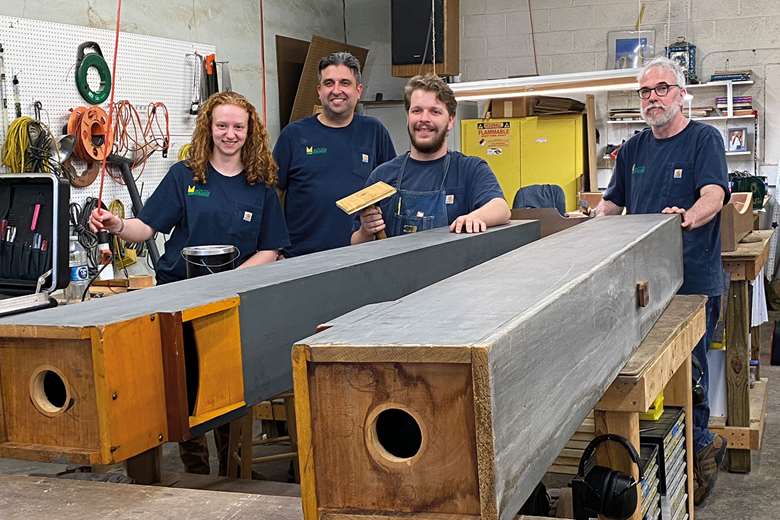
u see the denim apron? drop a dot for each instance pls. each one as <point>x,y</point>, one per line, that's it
<point>414,211</point>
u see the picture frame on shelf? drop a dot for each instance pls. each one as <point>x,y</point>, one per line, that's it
<point>630,49</point>
<point>736,139</point>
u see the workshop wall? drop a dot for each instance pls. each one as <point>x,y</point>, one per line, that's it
<point>234,27</point>
<point>571,36</point>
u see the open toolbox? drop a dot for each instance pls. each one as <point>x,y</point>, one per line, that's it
<point>33,234</point>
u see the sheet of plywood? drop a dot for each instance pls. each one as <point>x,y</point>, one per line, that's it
<point>290,57</point>
<point>306,98</point>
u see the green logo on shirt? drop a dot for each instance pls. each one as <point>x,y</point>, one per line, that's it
<point>197,191</point>
<point>316,150</point>
<point>637,169</point>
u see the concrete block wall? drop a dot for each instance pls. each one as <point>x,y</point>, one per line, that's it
<point>571,36</point>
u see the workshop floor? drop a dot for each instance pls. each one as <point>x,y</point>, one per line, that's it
<point>754,495</point>
<point>736,496</point>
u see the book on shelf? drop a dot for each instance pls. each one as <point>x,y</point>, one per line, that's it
<point>735,106</point>
<point>732,75</point>
<point>735,99</point>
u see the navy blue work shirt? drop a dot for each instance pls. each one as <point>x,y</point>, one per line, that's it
<point>319,165</point>
<point>652,174</point>
<point>224,210</point>
<point>470,183</point>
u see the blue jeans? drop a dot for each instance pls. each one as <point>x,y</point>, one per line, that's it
<point>702,436</point>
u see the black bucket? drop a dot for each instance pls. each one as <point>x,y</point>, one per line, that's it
<point>203,260</point>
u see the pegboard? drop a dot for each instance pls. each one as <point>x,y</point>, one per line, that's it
<point>149,69</point>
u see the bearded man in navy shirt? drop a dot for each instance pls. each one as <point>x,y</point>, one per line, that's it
<point>679,166</point>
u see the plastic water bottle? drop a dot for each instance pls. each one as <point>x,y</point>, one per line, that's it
<point>79,271</point>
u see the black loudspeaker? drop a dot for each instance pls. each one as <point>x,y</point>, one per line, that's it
<point>697,372</point>
<point>411,31</point>
<point>597,490</point>
<point>412,37</point>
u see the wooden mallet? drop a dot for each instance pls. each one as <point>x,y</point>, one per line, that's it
<point>365,198</point>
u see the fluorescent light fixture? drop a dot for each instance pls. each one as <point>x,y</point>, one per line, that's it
<point>598,81</point>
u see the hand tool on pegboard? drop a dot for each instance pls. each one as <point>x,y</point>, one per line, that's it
<point>210,68</point>
<point>92,60</point>
<point>3,92</point>
<point>227,84</point>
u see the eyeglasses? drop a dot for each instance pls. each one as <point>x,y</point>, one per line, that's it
<point>661,90</point>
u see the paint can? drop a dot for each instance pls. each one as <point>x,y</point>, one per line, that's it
<point>203,260</point>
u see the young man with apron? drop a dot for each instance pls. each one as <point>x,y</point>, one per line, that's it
<point>436,187</point>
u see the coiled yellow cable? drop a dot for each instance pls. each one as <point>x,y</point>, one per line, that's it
<point>184,151</point>
<point>16,144</point>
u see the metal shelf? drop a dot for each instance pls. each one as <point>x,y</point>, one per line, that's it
<point>709,118</point>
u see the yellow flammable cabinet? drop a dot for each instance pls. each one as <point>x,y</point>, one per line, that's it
<point>530,150</point>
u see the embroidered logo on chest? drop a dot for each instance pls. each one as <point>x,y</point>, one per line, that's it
<point>316,150</point>
<point>637,169</point>
<point>197,191</point>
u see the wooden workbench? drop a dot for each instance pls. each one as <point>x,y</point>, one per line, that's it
<point>662,363</point>
<point>743,265</point>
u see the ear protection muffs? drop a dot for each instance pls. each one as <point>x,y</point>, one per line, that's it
<point>697,372</point>
<point>599,490</point>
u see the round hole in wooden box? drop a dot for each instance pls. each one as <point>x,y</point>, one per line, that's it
<point>395,435</point>
<point>50,391</point>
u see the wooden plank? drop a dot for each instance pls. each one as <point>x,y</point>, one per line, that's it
<point>46,453</point>
<point>26,424</point>
<point>144,468</point>
<point>366,197</point>
<point>551,221</point>
<point>590,114</point>
<point>678,393</point>
<point>748,437</point>
<point>433,394</point>
<point>746,262</point>
<point>209,309</point>
<point>737,367</point>
<point>755,347</point>
<point>24,497</point>
<point>304,427</point>
<point>128,388</point>
<point>270,411</point>
<point>329,515</point>
<point>660,355</point>
<point>532,413</point>
<point>11,330</point>
<point>220,371</point>
<point>338,354</point>
<point>592,198</point>
<point>483,415</point>
<point>175,376</point>
<point>736,221</point>
<point>613,455</point>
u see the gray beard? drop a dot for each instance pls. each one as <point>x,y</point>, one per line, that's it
<point>662,120</point>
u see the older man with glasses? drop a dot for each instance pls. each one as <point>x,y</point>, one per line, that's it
<point>679,166</point>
